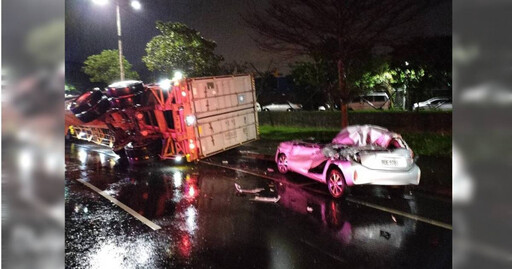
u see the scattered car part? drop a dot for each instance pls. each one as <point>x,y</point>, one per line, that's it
<point>266,199</point>
<point>253,191</point>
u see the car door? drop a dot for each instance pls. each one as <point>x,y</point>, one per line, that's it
<point>302,156</point>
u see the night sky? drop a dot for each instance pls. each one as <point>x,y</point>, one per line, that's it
<point>91,28</point>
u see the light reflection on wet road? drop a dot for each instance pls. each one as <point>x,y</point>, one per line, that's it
<point>207,224</point>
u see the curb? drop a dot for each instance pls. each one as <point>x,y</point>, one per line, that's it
<point>259,156</point>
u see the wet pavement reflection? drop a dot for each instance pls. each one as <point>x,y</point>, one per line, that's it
<point>207,223</point>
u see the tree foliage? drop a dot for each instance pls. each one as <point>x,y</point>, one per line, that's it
<point>315,82</point>
<point>338,30</point>
<point>234,67</point>
<point>104,67</point>
<point>179,47</point>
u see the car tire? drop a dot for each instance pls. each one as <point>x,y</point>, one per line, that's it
<point>94,112</point>
<point>85,101</point>
<point>266,109</point>
<point>282,163</point>
<point>121,90</point>
<point>336,183</point>
<point>289,109</point>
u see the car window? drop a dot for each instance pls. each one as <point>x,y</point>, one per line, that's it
<point>379,98</point>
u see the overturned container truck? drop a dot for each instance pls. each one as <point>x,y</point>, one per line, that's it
<point>188,119</point>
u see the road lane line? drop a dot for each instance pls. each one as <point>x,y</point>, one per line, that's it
<point>353,200</point>
<point>243,171</point>
<point>121,205</point>
<point>400,213</point>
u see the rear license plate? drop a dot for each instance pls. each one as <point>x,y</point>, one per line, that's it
<point>393,162</point>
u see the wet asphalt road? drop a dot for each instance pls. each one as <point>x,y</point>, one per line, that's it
<point>205,223</point>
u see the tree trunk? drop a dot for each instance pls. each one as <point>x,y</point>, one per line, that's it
<point>344,94</point>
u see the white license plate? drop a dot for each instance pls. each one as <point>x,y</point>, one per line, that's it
<point>393,162</point>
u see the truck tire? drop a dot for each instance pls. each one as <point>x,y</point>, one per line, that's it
<point>142,152</point>
<point>94,112</point>
<point>86,101</point>
<point>125,88</point>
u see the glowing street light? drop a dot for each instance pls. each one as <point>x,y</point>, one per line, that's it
<point>136,5</point>
<point>100,2</point>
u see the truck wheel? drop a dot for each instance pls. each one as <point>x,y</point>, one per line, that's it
<point>94,112</point>
<point>143,152</point>
<point>282,163</point>
<point>124,88</point>
<point>86,101</point>
<point>336,183</point>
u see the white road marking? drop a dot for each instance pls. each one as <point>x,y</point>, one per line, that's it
<point>353,200</point>
<point>121,205</point>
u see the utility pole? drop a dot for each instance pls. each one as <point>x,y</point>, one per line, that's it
<point>119,42</point>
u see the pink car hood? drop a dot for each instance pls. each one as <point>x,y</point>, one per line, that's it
<point>362,135</point>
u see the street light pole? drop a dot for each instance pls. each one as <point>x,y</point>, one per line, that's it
<point>119,42</point>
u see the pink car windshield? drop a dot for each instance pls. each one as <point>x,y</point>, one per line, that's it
<point>363,135</point>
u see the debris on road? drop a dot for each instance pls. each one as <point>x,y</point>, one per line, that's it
<point>385,234</point>
<point>266,199</point>
<point>240,190</point>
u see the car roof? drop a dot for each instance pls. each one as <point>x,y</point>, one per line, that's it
<point>438,98</point>
<point>375,94</point>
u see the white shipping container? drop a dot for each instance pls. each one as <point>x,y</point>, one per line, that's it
<point>225,111</point>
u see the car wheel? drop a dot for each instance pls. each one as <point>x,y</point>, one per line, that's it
<point>336,183</point>
<point>289,109</point>
<point>282,163</point>
<point>266,109</point>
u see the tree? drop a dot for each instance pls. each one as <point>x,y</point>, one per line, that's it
<point>341,30</point>
<point>104,67</point>
<point>315,81</point>
<point>234,67</point>
<point>179,47</point>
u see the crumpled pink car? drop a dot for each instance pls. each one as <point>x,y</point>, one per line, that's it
<point>359,154</point>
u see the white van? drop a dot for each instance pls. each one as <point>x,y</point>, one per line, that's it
<point>374,100</point>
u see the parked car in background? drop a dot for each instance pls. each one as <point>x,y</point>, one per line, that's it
<point>435,103</point>
<point>375,100</point>
<point>288,106</point>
